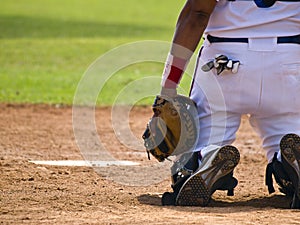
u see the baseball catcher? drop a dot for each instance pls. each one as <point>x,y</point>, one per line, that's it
<point>249,57</point>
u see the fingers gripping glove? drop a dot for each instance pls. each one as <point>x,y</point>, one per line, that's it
<point>173,129</point>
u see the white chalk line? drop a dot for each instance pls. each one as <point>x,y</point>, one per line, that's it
<point>84,163</point>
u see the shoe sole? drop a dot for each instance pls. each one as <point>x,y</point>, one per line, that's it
<point>197,190</point>
<point>290,151</point>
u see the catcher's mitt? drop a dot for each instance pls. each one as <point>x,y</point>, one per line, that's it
<point>173,129</point>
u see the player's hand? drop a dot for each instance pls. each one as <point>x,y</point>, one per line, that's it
<point>169,92</point>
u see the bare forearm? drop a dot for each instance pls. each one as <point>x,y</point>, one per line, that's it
<point>190,26</point>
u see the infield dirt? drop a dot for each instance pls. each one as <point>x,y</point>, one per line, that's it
<point>39,194</point>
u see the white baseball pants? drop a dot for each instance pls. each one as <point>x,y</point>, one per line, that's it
<point>266,87</point>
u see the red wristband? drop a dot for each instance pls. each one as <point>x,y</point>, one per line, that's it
<point>174,69</point>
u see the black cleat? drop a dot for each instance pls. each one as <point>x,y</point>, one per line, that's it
<point>290,151</point>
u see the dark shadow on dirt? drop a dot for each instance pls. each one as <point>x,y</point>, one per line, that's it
<point>149,199</point>
<point>274,201</point>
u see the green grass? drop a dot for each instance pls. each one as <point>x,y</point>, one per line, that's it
<point>46,46</point>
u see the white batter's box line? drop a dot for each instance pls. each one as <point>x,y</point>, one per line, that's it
<point>84,163</point>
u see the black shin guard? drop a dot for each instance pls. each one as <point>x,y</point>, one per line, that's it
<point>276,169</point>
<point>183,168</point>
<point>180,172</point>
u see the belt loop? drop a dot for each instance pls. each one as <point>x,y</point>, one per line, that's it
<point>262,44</point>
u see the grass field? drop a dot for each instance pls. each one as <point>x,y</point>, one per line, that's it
<point>46,46</point>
